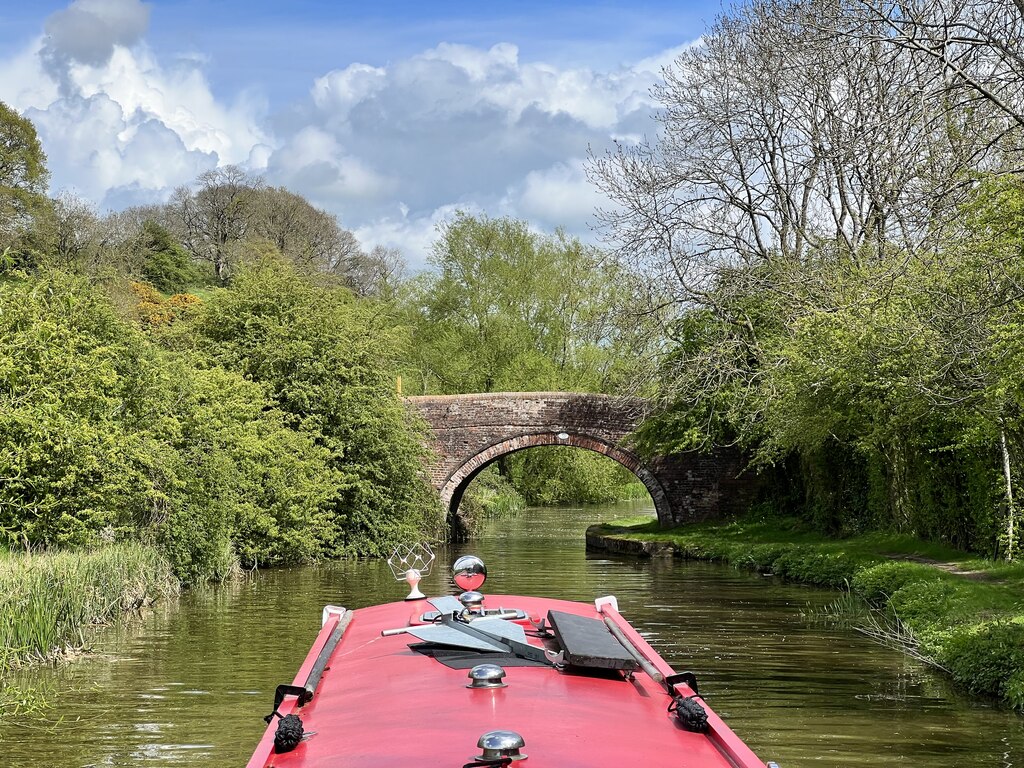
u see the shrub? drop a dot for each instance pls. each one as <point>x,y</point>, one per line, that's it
<point>987,658</point>
<point>78,389</point>
<point>920,603</point>
<point>324,359</point>
<point>832,570</point>
<point>879,582</point>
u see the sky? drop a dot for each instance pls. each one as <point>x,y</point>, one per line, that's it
<point>392,116</point>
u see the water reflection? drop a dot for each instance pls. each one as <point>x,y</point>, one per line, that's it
<point>191,683</point>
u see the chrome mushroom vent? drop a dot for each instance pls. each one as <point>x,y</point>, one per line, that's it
<point>472,601</point>
<point>487,676</point>
<point>499,744</point>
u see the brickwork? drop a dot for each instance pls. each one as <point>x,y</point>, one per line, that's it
<point>471,431</point>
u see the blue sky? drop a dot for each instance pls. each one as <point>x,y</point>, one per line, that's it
<point>389,115</point>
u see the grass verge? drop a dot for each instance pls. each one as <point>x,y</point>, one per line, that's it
<point>48,599</point>
<point>960,612</point>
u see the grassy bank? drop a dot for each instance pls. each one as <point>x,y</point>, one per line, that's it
<point>48,599</point>
<point>962,613</point>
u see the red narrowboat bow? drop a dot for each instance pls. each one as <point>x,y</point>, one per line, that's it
<point>490,681</point>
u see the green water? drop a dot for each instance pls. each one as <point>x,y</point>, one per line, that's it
<point>188,685</point>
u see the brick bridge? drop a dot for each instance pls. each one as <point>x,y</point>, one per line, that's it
<point>471,431</point>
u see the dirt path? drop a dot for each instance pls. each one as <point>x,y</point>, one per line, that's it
<point>943,566</point>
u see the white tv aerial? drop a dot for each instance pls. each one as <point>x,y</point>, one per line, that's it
<point>410,564</point>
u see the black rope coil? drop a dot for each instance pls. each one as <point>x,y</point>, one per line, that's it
<point>289,733</point>
<point>690,714</point>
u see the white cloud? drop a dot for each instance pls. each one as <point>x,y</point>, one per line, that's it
<point>457,127</point>
<point>392,150</point>
<point>93,147</point>
<point>555,195</point>
<point>118,127</point>
<point>314,162</point>
<point>413,236</point>
<point>23,82</point>
<point>179,98</point>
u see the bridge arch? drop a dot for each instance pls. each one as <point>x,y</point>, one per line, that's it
<point>468,432</point>
<point>455,485</point>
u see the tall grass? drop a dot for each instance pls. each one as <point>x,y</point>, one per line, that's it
<point>48,599</point>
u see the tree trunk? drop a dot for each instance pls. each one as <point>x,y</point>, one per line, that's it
<point>1011,533</point>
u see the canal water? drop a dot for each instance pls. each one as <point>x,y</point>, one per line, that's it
<point>190,683</point>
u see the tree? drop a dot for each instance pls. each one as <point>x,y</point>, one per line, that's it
<point>787,136</point>
<point>219,212</point>
<point>23,177</point>
<point>376,273</point>
<point>812,203</point>
<point>307,236</point>
<point>327,360</point>
<point>509,309</point>
<point>973,46</point>
<point>162,261</point>
<point>70,231</point>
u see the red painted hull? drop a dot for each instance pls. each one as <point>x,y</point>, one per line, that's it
<point>379,705</point>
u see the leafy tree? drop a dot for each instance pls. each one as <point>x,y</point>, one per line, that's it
<point>820,205</point>
<point>508,309</point>
<point>220,212</point>
<point>104,434</point>
<point>163,261</point>
<point>326,358</point>
<point>77,385</point>
<point>241,485</point>
<point>23,181</point>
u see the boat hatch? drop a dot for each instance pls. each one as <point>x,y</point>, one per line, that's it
<point>445,604</point>
<point>588,643</point>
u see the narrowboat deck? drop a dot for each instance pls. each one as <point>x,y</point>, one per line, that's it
<point>378,702</point>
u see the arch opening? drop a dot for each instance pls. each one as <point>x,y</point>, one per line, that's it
<point>455,485</point>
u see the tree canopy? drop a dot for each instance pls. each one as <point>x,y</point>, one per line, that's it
<point>23,177</point>
<point>832,203</point>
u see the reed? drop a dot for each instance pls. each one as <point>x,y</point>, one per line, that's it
<point>48,599</point>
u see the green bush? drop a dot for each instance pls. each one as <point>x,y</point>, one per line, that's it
<point>260,429</point>
<point>78,389</point>
<point>987,658</point>
<point>920,603</point>
<point>560,475</point>
<point>878,583</point>
<point>325,361</point>
<point>165,263</point>
<point>242,486</point>
<point>833,570</point>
